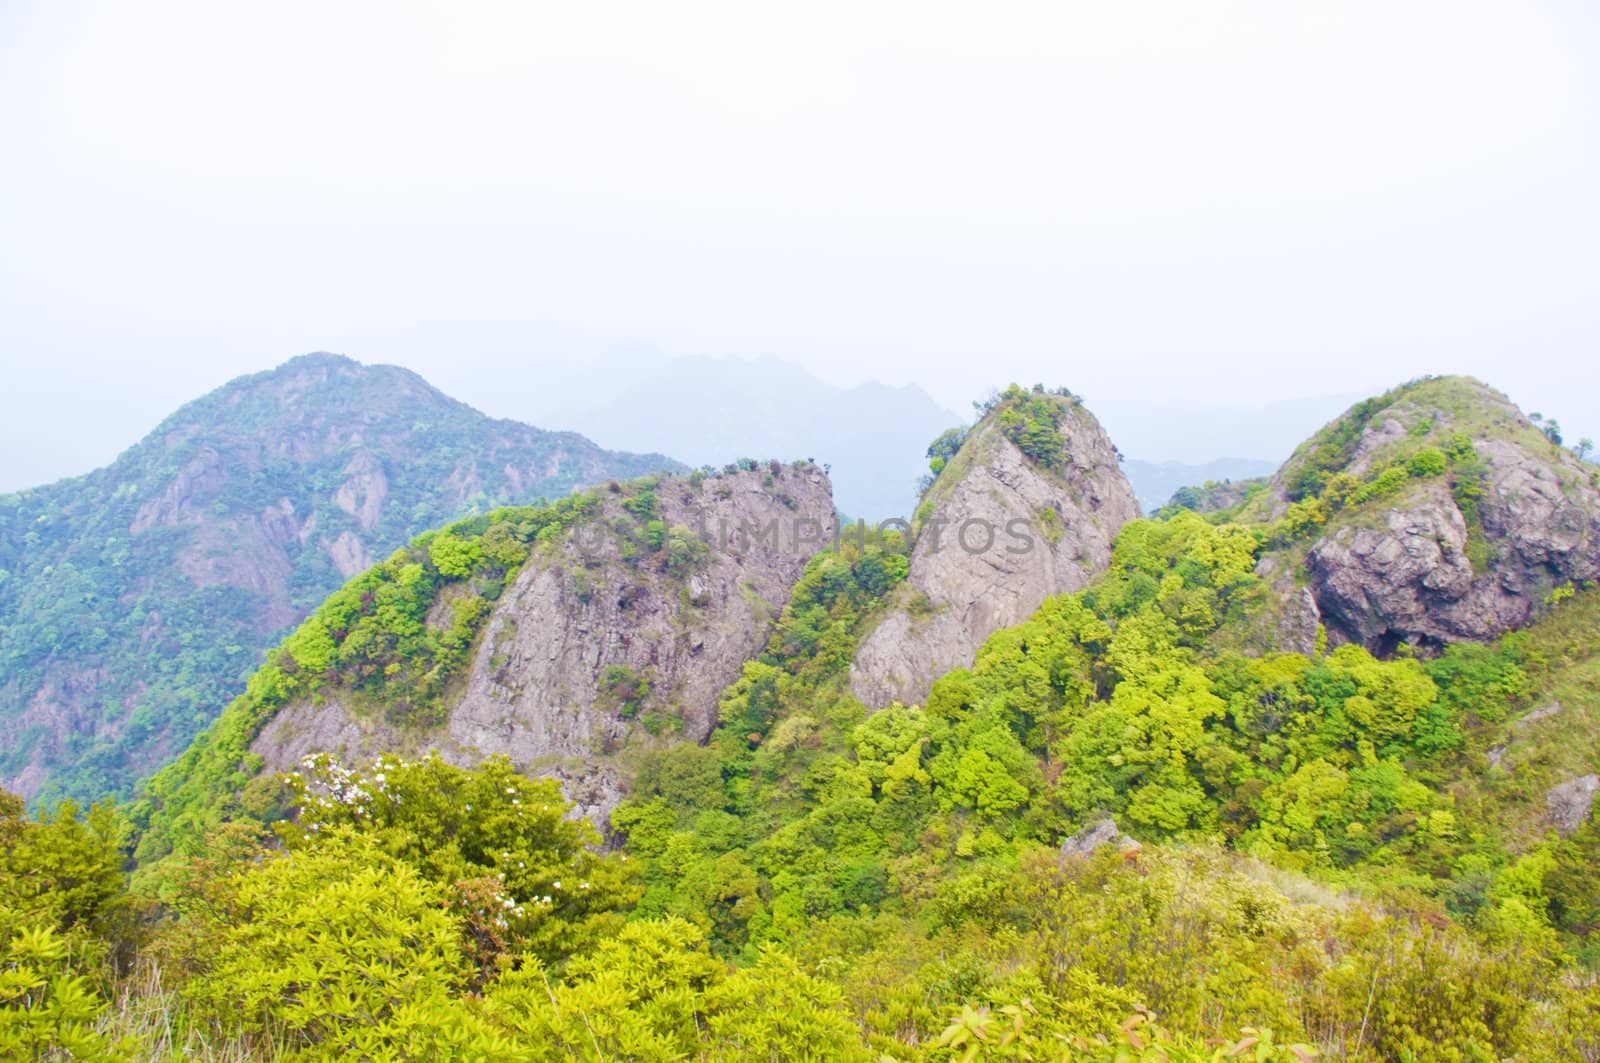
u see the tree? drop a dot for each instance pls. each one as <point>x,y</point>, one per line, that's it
<point>342,952</point>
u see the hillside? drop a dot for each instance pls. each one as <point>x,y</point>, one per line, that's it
<point>567,638</point>
<point>1134,821</point>
<point>135,600</point>
<point>1434,513</point>
<point>1026,507</point>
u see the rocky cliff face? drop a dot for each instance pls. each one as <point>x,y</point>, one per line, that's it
<point>1464,548</point>
<point>591,655</point>
<point>999,532</point>
<point>134,600</point>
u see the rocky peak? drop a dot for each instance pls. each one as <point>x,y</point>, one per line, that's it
<point>1434,513</point>
<point>1027,508</point>
<point>133,596</point>
<point>596,646</point>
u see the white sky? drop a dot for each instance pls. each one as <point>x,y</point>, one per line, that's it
<point>1209,201</point>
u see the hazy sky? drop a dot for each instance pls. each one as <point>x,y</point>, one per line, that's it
<point>1193,200</point>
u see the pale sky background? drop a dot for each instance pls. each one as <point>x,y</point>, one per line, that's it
<point>1208,201</point>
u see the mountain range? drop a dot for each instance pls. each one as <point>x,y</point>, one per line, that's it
<point>1304,764</point>
<point>136,599</point>
<point>712,411</point>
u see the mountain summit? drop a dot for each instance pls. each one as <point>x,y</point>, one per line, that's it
<point>1027,507</point>
<point>134,600</point>
<point>1434,513</point>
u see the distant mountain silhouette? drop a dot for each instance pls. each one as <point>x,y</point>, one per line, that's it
<point>710,411</point>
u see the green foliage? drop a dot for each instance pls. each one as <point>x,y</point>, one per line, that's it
<point>818,883</point>
<point>1337,490</point>
<point>140,590</point>
<point>655,994</point>
<point>485,837</point>
<point>65,924</point>
<point>47,1011</point>
<point>378,641</point>
<point>1429,461</point>
<point>1032,420</point>
<point>1217,498</point>
<point>944,448</point>
<point>1325,869</point>
<point>623,689</point>
<point>340,951</point>
<point>1331,449</point>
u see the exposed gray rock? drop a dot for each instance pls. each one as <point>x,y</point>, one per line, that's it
<point>537,688</point>
<point>364,490</point>
<point>1571,801</point>
<point>245,507</point>
<point>1290,627</point>
<point>1095,837</point>
<point>1051,534</point>
<point>1401,570</point>
<point>1543,712</point>
<point>1497,754</point>
<point>1410,575</point>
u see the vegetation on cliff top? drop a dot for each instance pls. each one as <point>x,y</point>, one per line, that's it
<point>1342,855</point>
<point>136,600</point>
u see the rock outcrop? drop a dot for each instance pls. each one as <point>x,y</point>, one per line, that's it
<point>1096,836</point>
<point>589,652</point>
<point>998,533</point>
<point>135,595</point>
<point>1569,802</point>
<point>1466,553</point>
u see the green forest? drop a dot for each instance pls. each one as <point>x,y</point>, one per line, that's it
<point>135,594</point>
<point>1318,861</point>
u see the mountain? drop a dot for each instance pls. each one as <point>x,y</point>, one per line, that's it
<point>1036,487</point>
<point>1432,514</point>
<point>136,599</point>
<point>1095,783</point>
<point>1156,482</point>
<point>711,411</point>
<point>569,638</point>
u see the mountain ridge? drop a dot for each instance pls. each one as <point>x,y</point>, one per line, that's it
<point>136,594</point>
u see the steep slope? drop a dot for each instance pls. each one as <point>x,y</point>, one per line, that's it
<point>566,637</point>
<point>1434,513</point>
<point>134,600</point>
<point>1026,509</point>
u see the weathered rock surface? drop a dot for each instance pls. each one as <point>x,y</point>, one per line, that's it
<point>1496,755</point>
<point>1003,535</point>
<point>133,595</point>
<point>1096,836</point>
<point>1402,569</point>
<point>578,618</point>
<point>1571,801</point>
